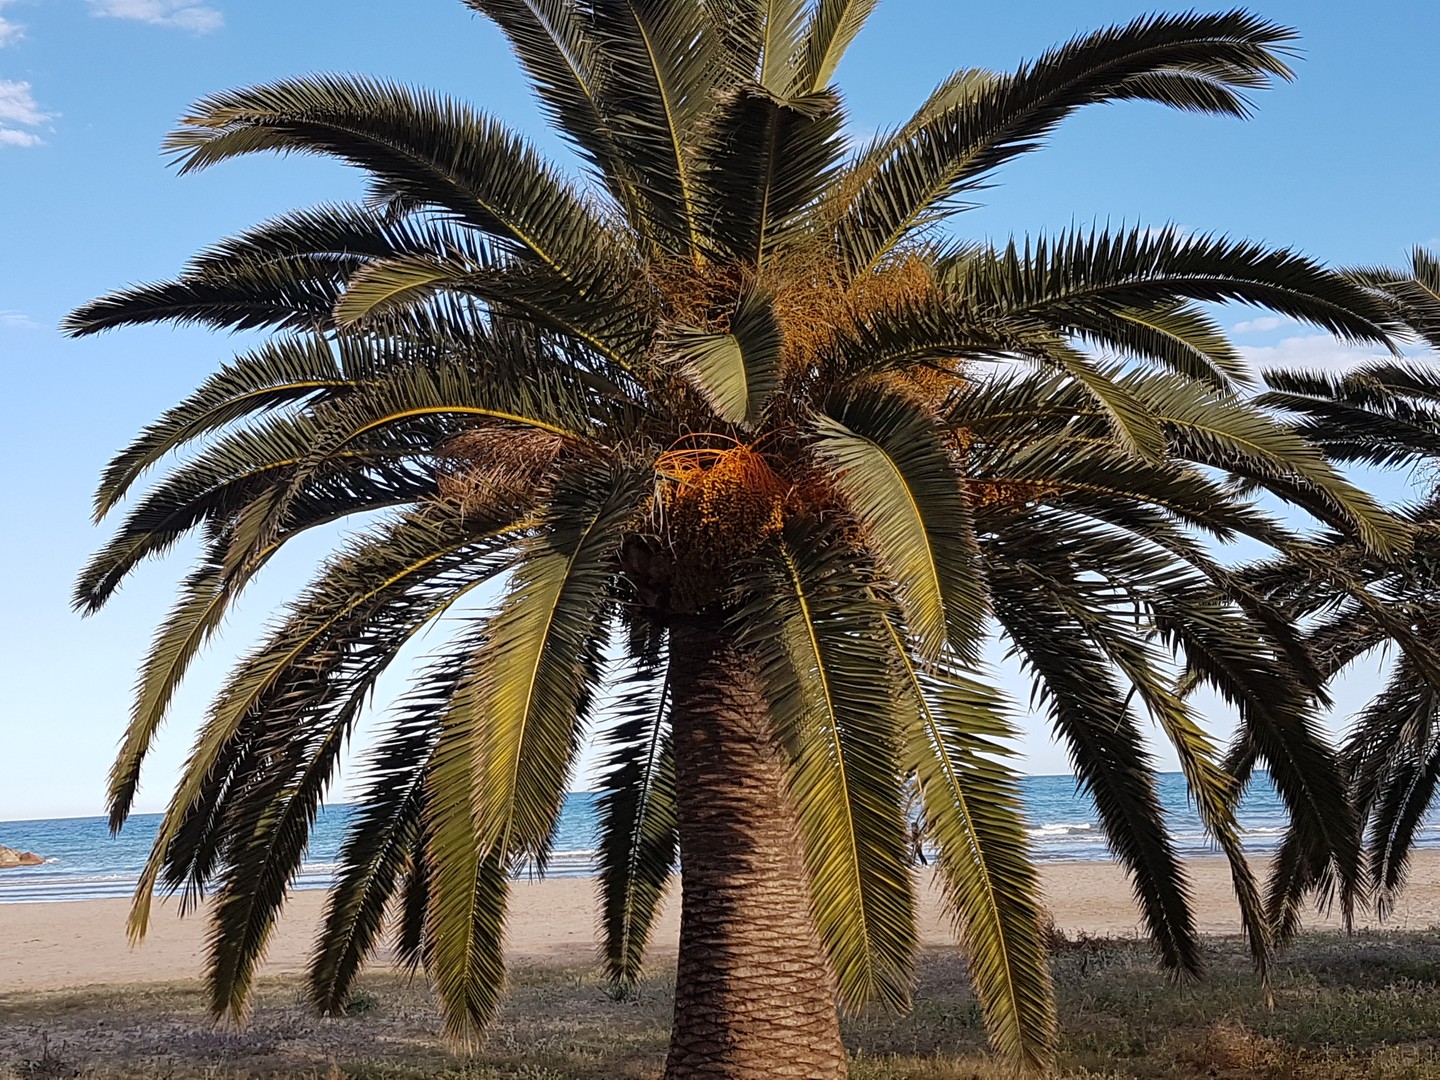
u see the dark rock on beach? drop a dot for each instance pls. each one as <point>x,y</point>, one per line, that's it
<point>10,858</point>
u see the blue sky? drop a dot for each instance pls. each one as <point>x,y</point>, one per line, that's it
<point>1343,163</point>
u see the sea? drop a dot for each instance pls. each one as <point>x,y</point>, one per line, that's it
<point>84,862</point>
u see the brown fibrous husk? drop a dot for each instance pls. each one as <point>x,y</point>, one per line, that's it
<point>496,469</point>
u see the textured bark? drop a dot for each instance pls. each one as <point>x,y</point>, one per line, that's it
<point>754,995</point>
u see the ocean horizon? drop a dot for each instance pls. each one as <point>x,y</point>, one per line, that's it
<point>84,862</point>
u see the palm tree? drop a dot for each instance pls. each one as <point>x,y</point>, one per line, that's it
<point>728,413</point>
<point>1354,604</point>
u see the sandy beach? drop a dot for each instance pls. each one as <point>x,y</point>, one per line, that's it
<point>61,945</point>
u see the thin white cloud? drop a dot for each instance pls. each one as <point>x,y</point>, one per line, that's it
<point>19,111</point>
<point>1312,352</point>
<point>1262,325</point>
<point>17,320</point>
<point>179,14</point>
<point>10,30</point>
<point>15,137</point>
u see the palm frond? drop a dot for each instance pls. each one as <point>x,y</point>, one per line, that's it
<point>738,371</point>
<point>763,162</point>
<point>778,30</point>
<point>1091,714</point>
<point>1388,759</point>
<point>956,743</point>
<point>382,836</point>
<point>886,457</point>
<point>1219,430</point>
<point>820,641</point>
<point>1174,334</point>
<point>508,740</point>
<point>251,464</point>
<point>1214,791</point>
<point>1415,294</point>
<point>198,611</point>
<point>638,840</point>
<point>280,373</point>
<point>1099,272</point>
<point>407,140</point>
<point>1193,61</point>
<point>555,41</point>
<point>541,662</point>
<point>664,61</point>
<point>833,27</point>
<point>398,576</point>
<point>1278,726</point>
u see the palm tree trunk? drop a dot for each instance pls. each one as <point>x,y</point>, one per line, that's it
<point>754,995</point>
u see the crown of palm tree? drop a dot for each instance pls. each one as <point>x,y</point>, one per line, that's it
<point>737,373</point>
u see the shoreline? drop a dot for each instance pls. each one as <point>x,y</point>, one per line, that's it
<point>82,943</point>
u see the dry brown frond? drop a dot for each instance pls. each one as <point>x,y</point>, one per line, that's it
<point>931,385</point>
<point>813,297</point>
<point>1008,493</point>
<point>496,468</point>
<point>700,298</point>
<point>815,301</point>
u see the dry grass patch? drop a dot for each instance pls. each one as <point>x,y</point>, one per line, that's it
<point>1364,1008</point>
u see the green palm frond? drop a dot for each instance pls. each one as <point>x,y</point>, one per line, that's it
<point>408,564</point>
<point>1214,791</point>
<point>245,465</point>
<point>954,89</point>
<point>1399,812</point>
<point>833,27</point>
<point>776,30</point>
<point>1172,334</point>
<point>412,907</point>
<point>956,745</point>
<point>382,836</point>
<point>279,373</point>
<point>1157,501</point>
<point>1108,753</point>
<point>1099,272</point>
<point>737,372</point>
<point>1415,293</point>
<point>334,265</point>
<point>1278,725</point>
<point>265,835</point>
<point>764,160</point>
<point>599,313</point>
<point>390,410</point>
<point>638,839</point>
<point>509,738</point>
<point>1133,425</point>
<point>541,660</point>
<point>297,293</point>
<point>315,677</point>
<point>821,643</point>
<point>556,42</point>
<point>1191,61</point>
<point>1389,758</point>
<point>204,598</point>
<point>1216,429</point>
<point>888,460</point>
<point>1383,413</point>
<point>218,482</point>
<point>664,60</point>
<point>406,140</point>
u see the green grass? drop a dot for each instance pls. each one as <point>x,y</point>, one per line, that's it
<point>1362,1008</point>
